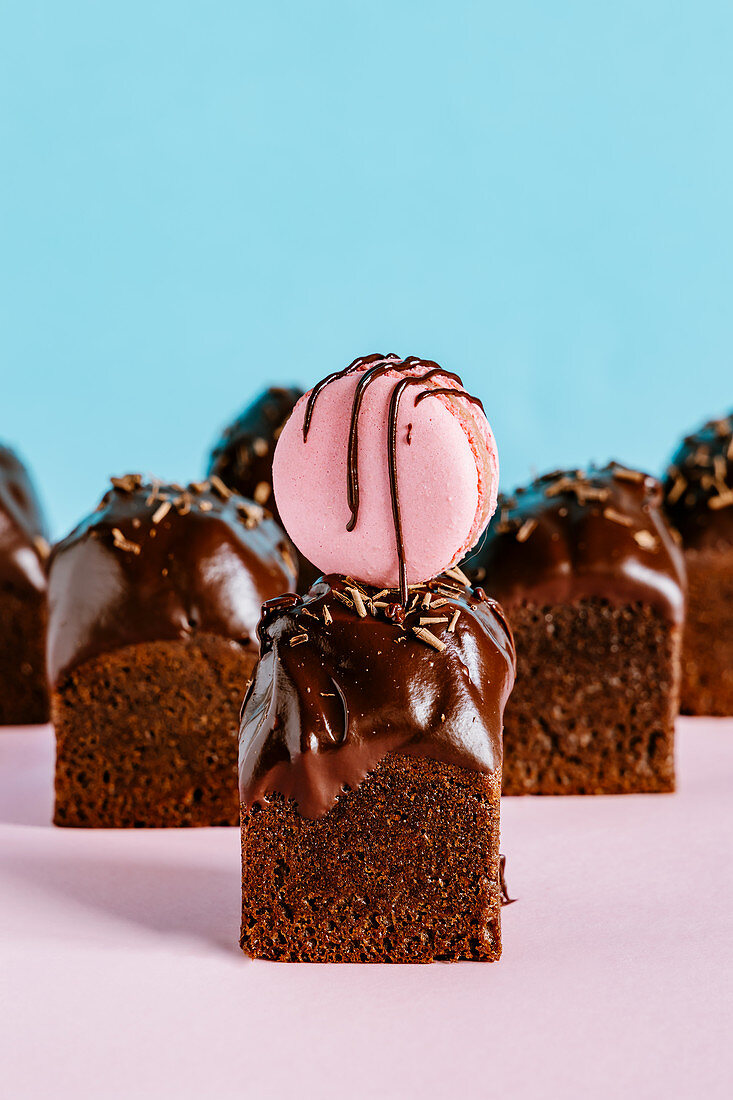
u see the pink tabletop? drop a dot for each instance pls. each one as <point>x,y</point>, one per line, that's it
<point>120,974</point>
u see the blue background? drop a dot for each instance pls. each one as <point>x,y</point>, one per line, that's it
<point>201,198</point>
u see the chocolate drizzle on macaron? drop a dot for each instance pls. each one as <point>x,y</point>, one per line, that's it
<point>375,366</point>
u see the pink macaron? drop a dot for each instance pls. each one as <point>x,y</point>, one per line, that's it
<point>395,489</point>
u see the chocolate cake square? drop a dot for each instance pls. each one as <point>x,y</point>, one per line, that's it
<point>699,502</point>
<point>23,554</point>
<point>154,600</point>
<point>593,584</point>
<point>370,775</point>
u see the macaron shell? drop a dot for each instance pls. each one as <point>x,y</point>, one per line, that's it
<point>441,494</point>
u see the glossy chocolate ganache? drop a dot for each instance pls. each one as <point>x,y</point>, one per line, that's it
<point>347,675</point>
<point>159,562</point>
<point>576,534</point>
<point>698,488</point>
<point>24,547</point>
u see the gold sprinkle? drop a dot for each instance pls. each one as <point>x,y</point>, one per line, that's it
<point>526,530</point>
<point>219,487</point>
<point>344,599</point>
<point>153,494</point>
<point>298,639</point>
<point>259,446</point>
<point>426,620</point>
<point>182,504</point>
<point>562,485</point>
<point>42,547</point>
<point>429,639</point>
<point>721,468</point>
<point>622,473</point>
<point>454,620</point>
<point>618,517</point>
<point>327,617</point>
<point>128,483</point>
<point>646,540</point>
<point>584,493</point>
<point>426,600</point>
<point>262,492</point>
<point>457,574</point>
<point>723,500</point>
<point>199,486</point>
<point>436,604</point>
<point>328,695</point>
<point>358,602</point>
<point>674,494</point>
<point>251,514</point>
<point>161,511</point>
<point>205,505</point>
<point>382,592</point>
<point>122,543</point>
<point>289,560</point>
<point>729,452</point>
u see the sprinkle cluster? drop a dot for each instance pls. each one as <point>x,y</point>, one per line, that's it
<point>586,489</point>
<point>701,473</point>
<point>163,498</point>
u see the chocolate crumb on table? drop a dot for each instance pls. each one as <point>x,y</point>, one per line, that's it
<point>593,583</point>
<point>699,502</point>
<point>153,605</point>
<point>24,552</point>
<point>370,776</point>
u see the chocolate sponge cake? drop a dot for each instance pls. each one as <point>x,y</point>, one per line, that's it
<point>593,584</point>
<point>23,555</point>
<point>699,501</point>
<point>153,605</point>
<point>370,775</point>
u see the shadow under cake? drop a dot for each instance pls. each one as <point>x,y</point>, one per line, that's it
<point>23,554</point>
<point>699,502</point>
<point>593,584</point>
<point>154,601</point>
<point>243,455</point>
<point>370,776</point>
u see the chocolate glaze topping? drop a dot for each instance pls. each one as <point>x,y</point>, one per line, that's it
<point>374,366</point>
<point>24,545</point>
<point>347,675</point>
<point>242,458</point>
<point>577,534</point>
<point>159,561</point>
<point>698,488</point>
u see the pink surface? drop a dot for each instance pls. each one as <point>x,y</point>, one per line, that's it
<point>120,975</point>
<point>447,477</point>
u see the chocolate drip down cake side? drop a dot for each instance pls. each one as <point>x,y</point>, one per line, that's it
<point>370,745</point>
<point>23,556</point>
<point>699,502</point>
<point>593,583</point>
<point>154,601</point>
